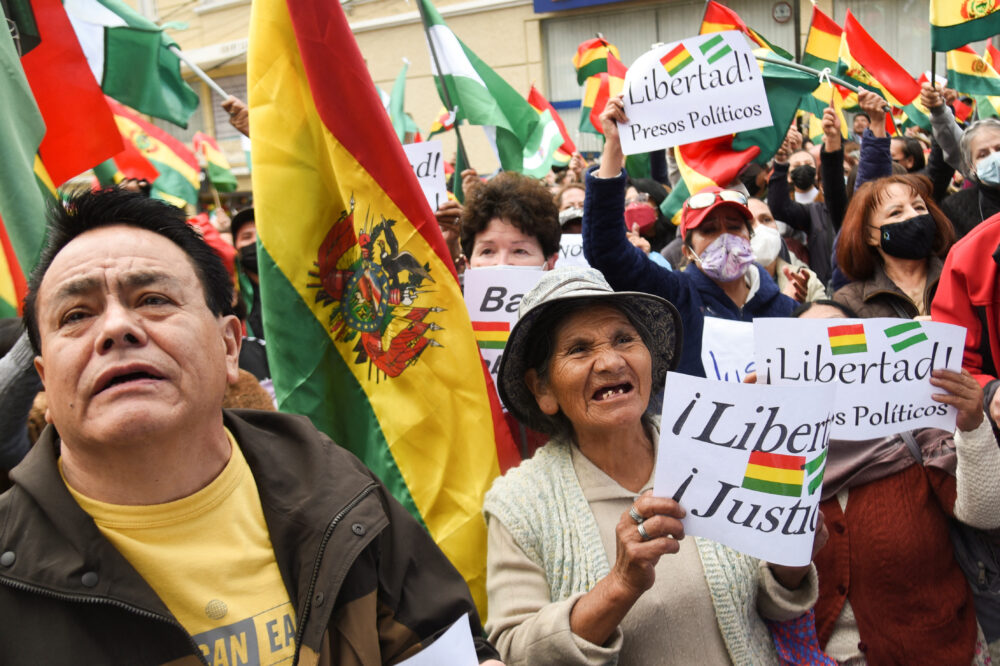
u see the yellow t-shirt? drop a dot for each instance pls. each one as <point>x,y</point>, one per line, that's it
<point>209,558</point>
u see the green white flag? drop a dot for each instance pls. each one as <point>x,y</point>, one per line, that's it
<point>541,149</point>
<point>402,122</point>
<point>131,59</point>
<point>481,95</point>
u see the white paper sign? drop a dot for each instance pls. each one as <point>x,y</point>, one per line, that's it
<point>493,296</point>
<point>571,251</point>
<point>881,368</point>
<point>727,349</point>
<point>428,166</point>
<point>698,88</point>
<point>454,647</point>
<point>746,462</point>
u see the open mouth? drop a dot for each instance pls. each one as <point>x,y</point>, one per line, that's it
<point>128,377</point>
<point>606,392</point>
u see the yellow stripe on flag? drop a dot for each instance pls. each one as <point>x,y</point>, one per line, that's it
<point>7,291</point>
<point>42,174</point>
<point>838,340</point>
<point>774,474</point>
<point>492,336</point>
<point>823,44</point>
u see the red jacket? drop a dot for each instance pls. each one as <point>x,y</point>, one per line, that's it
<point>968,294</point>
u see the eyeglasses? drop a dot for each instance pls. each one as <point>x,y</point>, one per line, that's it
<point>706,199</point>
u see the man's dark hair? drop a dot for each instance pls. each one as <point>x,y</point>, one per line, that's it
<point>87,211</point>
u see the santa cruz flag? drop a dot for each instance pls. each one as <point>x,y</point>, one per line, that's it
<point>367,332</point>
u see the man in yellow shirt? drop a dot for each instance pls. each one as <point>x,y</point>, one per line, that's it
<point>148,526</point>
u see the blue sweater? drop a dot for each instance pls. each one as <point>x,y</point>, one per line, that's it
<point>693,293</point>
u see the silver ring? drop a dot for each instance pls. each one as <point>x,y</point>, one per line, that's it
<point>642,532</point>
<point>635,515</point>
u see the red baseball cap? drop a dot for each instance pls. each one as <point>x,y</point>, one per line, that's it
<point>698,206</point>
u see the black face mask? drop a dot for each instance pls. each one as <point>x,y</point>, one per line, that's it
<point>804,177</point>
<point>909,239</point>
<point>248,258</point>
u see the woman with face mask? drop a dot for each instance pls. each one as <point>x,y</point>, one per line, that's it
<point>892,246</point>
<point>980,154</point>
<point>721,279</point>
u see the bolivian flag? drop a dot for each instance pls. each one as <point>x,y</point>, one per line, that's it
<point>367,332</point>
<point>822,42</point>
<point>775,473</point>
<point>600,88</point>
<point>719,18</point>
<point>847,339</point>
<point>491,334</point>
<point>565,151</point>
<point>969,73</point>
<point>707,163</point>
<point>955,23</point>
<point>217,166</point>
<point>592,58</point>
<point>863,61</point>
<point>179,171</point>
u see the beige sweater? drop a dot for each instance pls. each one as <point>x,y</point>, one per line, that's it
<point>672,623</point>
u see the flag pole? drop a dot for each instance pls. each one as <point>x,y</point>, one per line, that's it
<point>933,67</point>
<point>444,89</point>
<point>825,74</point>
<point>199,72</point>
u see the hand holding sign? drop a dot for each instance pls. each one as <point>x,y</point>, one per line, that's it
<point>963,393</point>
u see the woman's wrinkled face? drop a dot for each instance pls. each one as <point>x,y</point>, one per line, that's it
<point>898,203</point>
<point>600,373</point>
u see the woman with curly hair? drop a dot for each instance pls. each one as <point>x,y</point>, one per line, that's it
<point>512,220</point>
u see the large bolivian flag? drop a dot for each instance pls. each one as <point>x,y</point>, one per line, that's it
<point>367,332</point>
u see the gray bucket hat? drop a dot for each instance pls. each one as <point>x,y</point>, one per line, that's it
<point>656,319</point>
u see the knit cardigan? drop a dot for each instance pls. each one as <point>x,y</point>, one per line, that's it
<point>543,507</point>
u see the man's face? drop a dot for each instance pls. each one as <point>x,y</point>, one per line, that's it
<point>860,124</point>
<point>129,347</point>
<point>897,149</point>
<point>246,235</point>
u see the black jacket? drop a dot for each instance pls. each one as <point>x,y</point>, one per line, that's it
<point>367,583</point>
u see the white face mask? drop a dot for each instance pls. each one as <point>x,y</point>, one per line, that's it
<point>766,244</point>
<point>988,169</point>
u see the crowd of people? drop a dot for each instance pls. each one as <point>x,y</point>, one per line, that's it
<point>132,332</point>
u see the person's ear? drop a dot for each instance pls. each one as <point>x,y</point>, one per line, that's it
<point>232,339</point>
<point>550,263</point>
<point>544,396</point>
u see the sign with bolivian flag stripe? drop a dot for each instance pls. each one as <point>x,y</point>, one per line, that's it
<point>179,177</point>
<point>775,473</point>
<point>848,339</point>
<point>719,18</point>
<point>367,333</point>
<point>23,181</point>
<point>955,23</point>
<point>676,59</point>
<point>491,334</point>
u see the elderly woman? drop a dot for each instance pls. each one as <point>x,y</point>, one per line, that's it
<point>721,279</point>
<point>584,565</point>
<point>891,245</point>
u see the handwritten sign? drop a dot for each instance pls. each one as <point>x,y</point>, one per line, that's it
<point>746,462</point>
<point>428,166</point>
<point>571,251</point>
<point>698,88</point>
<point>454,647</point>
<point>493,296</point>
<point>881,368</point>
<point>727,349</point>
